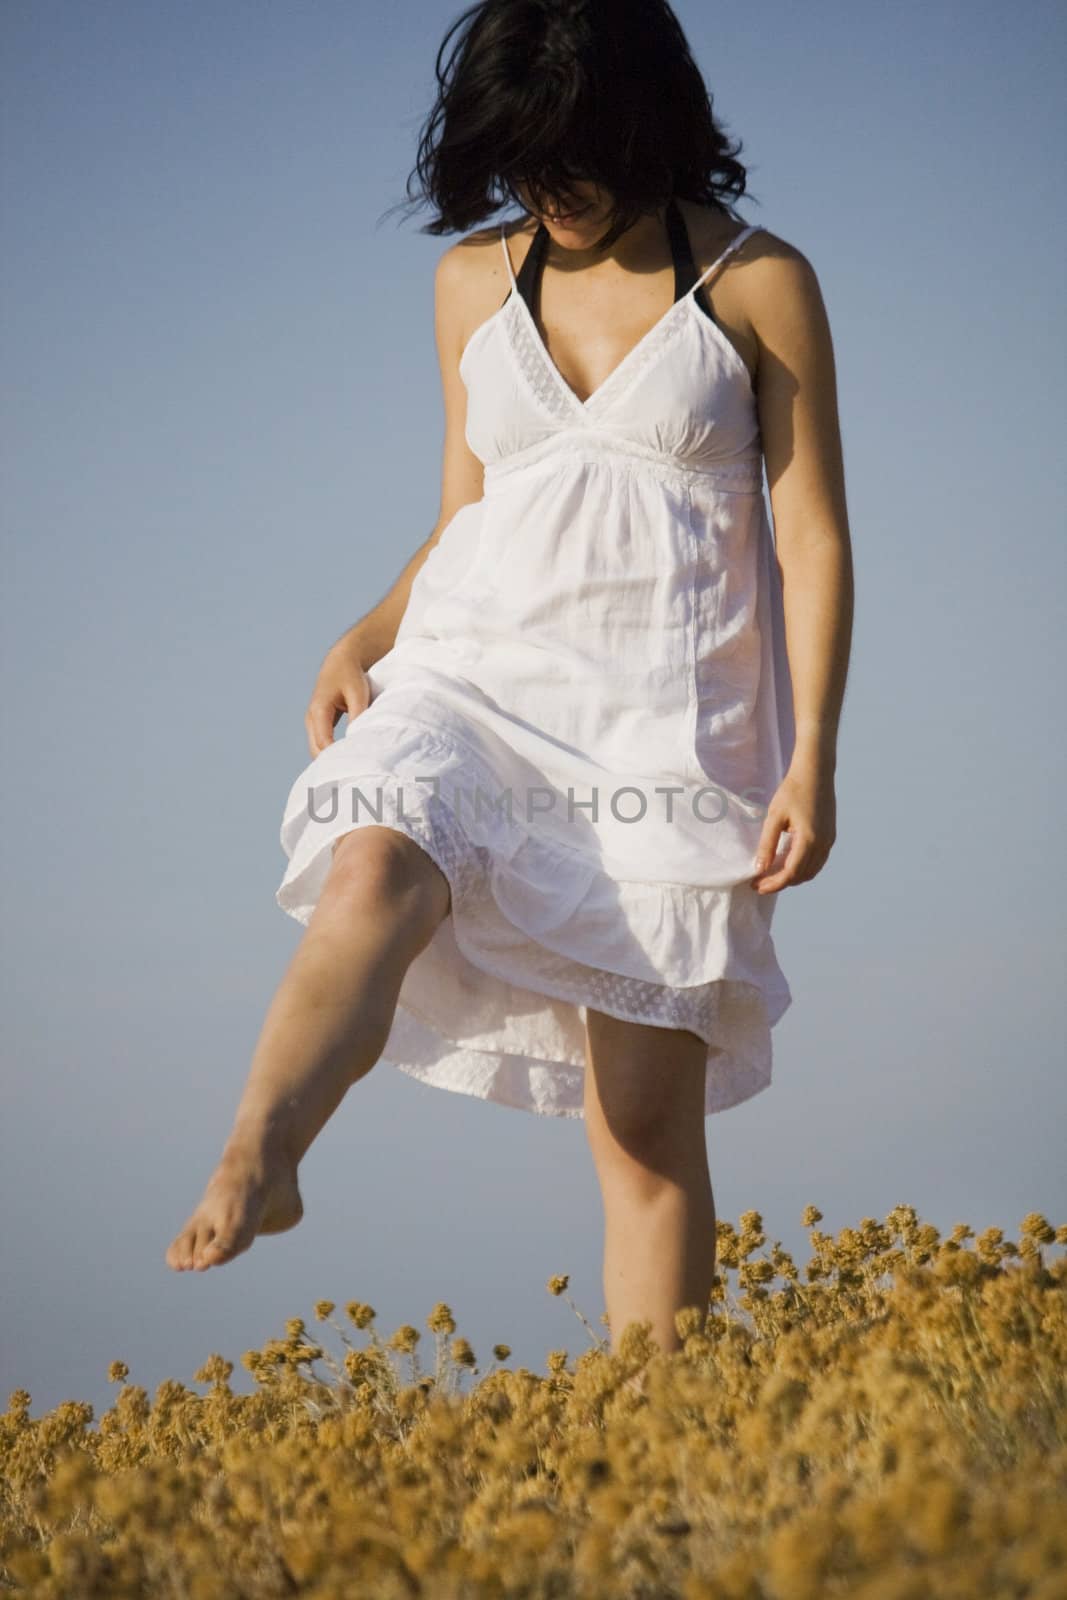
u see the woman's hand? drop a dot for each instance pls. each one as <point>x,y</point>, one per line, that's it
<point>805,804</point>
<point>342,686</point>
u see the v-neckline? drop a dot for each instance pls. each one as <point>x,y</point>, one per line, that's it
<point>565,387</point>
<point>570,396</point>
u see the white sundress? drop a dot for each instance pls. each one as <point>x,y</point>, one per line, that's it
<point>584,714</point>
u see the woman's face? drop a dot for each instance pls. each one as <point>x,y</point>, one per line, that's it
<point>575,219</point>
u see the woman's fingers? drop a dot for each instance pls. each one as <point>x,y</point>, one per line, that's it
<point>773,827</point>
<point>790,869</point>
<point>319,722</point>
<point>357,695</point>
<point>328,705</point>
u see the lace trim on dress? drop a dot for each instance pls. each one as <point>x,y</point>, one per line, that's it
<point>543,379</point>
<point>466,866</point>
<point>549,384</point>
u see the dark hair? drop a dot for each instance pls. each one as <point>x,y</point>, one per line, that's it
<point>548,92</point>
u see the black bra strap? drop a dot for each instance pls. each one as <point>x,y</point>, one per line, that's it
<point>685,271</point>
<point>529,274</point>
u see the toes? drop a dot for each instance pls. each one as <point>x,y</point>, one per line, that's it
<point>180,1252</point>
<point>214,1253</point>
<point>217,1247</point>
<point>205,1240</point>
<point>233,1211</point>
<point>216,1241</point>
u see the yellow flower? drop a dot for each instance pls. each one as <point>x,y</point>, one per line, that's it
<point>359,1313</point>
<point>462,1354</point>
<point>441,1319</point>
<point>404,1339</point>
<point>1034,1226</point>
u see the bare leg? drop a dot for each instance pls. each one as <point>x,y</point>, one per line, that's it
<point>644,1115</point>
<point>324,1029</point>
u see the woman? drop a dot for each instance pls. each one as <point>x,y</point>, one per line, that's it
<point>598,622</point>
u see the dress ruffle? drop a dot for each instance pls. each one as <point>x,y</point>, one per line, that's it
<point>495,1004</point>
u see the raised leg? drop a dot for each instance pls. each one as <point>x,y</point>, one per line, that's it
<point>644,1117</point>
<point>325,1028</point>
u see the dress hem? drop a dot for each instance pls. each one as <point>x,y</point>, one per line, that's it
<point>566,1075</point>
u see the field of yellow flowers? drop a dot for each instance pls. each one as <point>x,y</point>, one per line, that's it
<point>887,1424</point>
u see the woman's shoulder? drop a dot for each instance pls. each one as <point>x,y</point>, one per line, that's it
<point>474,264</point>
<point>713,230</point>
<point>467,257</point>
<point>485,237</point>
<point>472,280</point>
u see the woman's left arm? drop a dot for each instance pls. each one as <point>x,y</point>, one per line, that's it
<point>796,384</point>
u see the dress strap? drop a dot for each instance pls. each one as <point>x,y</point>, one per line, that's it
<point>735,244</point>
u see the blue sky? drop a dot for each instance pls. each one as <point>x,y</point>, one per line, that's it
<point>222,428</point>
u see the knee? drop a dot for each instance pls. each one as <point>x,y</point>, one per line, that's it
<point>641,1129</point>
<point>385,873</point>
<point>633,1133</point>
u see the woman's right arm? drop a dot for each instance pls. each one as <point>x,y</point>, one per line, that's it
<point>460,294</point>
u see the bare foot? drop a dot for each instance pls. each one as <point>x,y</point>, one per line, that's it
<point>251,1191</point>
